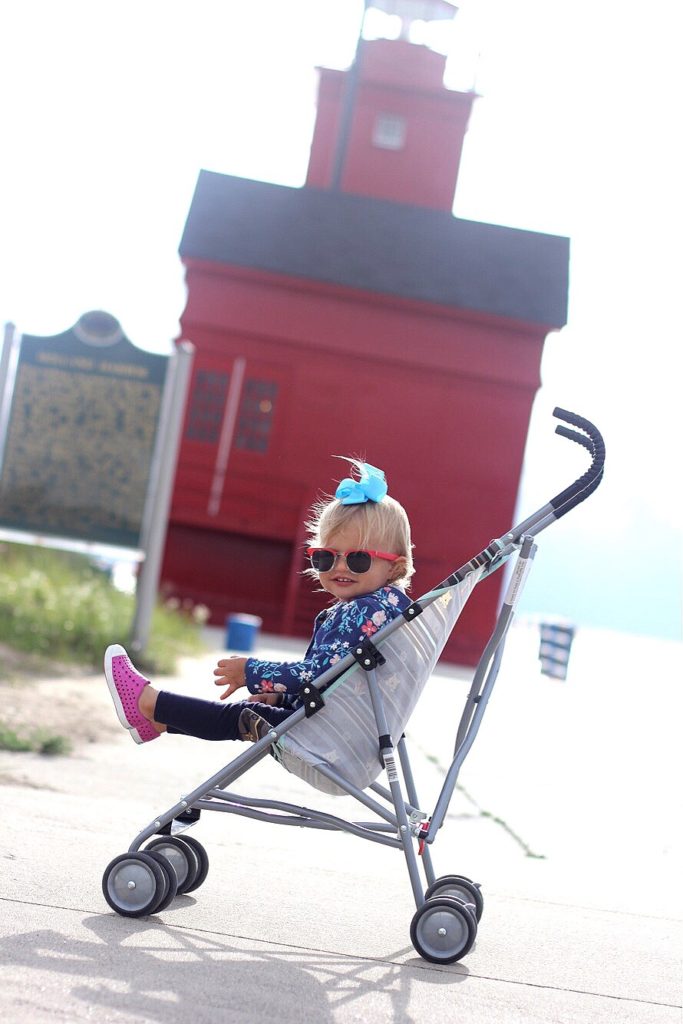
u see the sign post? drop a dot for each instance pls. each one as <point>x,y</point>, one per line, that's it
<point>160,491</point>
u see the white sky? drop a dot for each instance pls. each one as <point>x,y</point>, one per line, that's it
<point>109,109</point>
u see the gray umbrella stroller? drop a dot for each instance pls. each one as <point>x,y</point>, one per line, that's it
<point>347,733</point>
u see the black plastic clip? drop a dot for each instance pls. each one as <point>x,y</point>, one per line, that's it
<point>183,820</point>
<point>368,656</point>
<point>312,699</point>
<point>385,743</point>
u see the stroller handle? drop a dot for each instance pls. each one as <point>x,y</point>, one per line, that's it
<point>587,435</point>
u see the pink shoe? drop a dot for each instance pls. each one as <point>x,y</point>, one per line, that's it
<point>125,686</point>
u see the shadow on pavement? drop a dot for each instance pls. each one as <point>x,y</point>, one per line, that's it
<point>158,972</point>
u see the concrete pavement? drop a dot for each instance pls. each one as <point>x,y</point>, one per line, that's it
<point>567,813</point>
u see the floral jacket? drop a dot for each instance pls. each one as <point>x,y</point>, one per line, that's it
<point>335,631</point>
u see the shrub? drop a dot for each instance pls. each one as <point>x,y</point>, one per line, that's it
<point>9,740</point>
<point>49,744</point>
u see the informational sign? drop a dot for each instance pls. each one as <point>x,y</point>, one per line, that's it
<point>80,434</point>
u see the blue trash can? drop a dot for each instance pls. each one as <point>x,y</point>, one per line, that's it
<point>241,631</point>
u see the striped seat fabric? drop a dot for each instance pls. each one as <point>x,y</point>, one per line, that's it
<point>343,735</point>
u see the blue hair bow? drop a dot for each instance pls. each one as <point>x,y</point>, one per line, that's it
<point>371,486</point>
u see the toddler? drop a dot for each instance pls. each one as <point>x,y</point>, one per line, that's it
<point>361,553</point>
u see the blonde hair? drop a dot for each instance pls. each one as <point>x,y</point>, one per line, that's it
<point>382,526</point>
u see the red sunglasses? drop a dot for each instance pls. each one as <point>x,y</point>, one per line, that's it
<point>324,559</point>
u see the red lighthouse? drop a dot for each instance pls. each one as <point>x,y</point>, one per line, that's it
<point>389,128</point>
<point>356,316</point>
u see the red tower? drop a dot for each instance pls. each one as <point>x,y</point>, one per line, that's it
<point>406,129</point>
<point>361,320</point>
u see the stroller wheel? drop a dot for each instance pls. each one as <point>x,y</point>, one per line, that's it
<point>134,884</point>
<point>203,859</point>
<point>181,856</point>
<point>461,887</point>
<point>171,887</point>
<point>443,930</point>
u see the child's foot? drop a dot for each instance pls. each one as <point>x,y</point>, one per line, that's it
<point>125,686</point>
<point>251,726</point>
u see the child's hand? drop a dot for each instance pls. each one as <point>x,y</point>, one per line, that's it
<point>231,671</point>
<point>266,698</point>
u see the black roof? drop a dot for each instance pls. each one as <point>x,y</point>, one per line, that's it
<point>379,246</point>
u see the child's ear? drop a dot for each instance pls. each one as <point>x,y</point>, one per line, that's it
<point>398,568</point>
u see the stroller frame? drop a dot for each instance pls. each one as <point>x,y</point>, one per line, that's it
<point>448,910</point>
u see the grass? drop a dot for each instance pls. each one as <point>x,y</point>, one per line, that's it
<point>9,740</point>
<point>57,604</point>
<point>41,742</point>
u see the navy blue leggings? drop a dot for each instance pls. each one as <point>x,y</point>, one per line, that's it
<point>210,720</point>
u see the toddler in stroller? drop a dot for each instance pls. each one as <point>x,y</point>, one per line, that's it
<point>337,718</point>
<point>361,553</point>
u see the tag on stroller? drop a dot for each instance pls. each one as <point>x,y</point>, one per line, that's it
<point>390,765</point>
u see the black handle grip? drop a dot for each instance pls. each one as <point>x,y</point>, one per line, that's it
<point>587,435</point>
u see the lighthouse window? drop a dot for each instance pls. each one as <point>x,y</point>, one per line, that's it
<point>389,131</point>
<point>256,415</point>
<point>206,406</point>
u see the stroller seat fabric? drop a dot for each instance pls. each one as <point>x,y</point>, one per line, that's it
<point>344,734</point>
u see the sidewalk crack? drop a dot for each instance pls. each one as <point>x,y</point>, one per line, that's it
<point>480,812</point>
